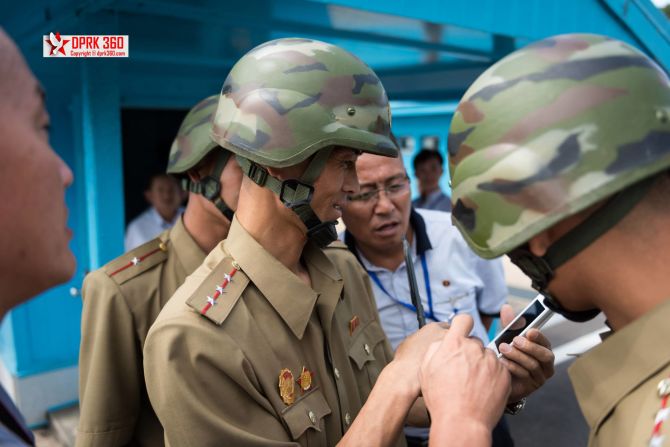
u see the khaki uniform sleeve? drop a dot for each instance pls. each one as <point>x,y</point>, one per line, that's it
<point>110,366</point>
<point>204,389</point>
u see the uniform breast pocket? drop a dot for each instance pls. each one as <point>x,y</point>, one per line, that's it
<point>304,418</point>
<point>366,349</point>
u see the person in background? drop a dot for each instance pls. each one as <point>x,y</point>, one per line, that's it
<point>123,298</point>
<point>34,237</point>
<point>428,169</point>
<point>165,199</point>
<point>452,280</point>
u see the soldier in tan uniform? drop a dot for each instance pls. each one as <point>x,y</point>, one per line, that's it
<point>123,298</point>
<point>275,339</point>
<point>560,158</point>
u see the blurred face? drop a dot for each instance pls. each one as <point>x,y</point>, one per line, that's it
<point>34,237</point>
<point>380,217</point>
<point>336,182</point>
<point>164,195</point>
<point>428,174</point>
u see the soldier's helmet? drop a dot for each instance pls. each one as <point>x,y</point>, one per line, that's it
<point>193,142</point>
<point>550,130</point>
<point>288,98</point>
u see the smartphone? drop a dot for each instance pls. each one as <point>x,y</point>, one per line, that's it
<point>535,315</point>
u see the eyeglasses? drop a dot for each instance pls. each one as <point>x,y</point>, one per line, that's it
<point>396,188</point>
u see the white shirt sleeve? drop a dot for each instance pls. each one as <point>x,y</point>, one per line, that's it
<point>493,294</point>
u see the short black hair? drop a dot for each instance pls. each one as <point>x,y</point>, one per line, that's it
<point>426,155</point>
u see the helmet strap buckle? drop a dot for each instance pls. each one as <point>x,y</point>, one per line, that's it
<point>257,174</point>
<point>294,193</point>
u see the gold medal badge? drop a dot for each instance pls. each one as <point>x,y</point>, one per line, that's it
<point>305,379</point>
<point>286,387</point>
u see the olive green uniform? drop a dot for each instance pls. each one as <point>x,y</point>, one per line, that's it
<point>617,383</point>
<point>121,301</point>
<point>213,370</point>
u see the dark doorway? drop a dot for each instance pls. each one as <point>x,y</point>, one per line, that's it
<point>147,135</point>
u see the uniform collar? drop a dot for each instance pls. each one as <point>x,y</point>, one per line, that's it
<point>188,252</point>
<point>610,371</point>
<point>291,298</point>
<point>421,240</point>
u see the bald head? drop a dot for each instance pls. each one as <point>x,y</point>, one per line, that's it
<point>13,70</point>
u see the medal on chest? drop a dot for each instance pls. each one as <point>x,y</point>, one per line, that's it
<point>286,386</point>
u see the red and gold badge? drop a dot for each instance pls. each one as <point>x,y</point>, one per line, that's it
<point>353,324</point>
<point>305,379</point>
<point>286,387</point>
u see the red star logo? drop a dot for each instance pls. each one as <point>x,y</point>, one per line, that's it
<point>56,43</point>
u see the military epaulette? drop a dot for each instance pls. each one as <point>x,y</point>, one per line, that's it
<point>220,291</point>
<point>338,244</point>
<point>138,259</point>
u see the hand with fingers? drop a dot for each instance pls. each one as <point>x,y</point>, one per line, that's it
<point>464,386</point>
<point>529,359</point>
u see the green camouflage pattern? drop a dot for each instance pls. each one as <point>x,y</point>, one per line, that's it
<point>288,98</point>
<point>193,142</point>
<point>550,130</point>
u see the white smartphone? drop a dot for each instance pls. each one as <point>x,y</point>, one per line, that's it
<point>535,315</point>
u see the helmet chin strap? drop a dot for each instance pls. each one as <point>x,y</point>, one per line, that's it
<point>297,194</point>
<point>210,186</point>
<point>541,269</point>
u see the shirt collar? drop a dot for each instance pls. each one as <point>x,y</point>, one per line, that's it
<point>188,252</point>
<point>421,240</point>
<point>158,219</point>
<point>291,298</point>
<point>611,370</point>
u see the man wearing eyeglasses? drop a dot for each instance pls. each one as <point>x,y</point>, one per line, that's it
<point>452,280</point>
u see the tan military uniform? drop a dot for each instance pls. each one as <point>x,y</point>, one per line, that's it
<point>121,301</point>
<point>233,375</point>
<point>617,382</point>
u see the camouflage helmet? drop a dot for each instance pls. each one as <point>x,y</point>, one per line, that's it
<point>193,142</point>
<point>288,98</point>
<point>550,130</point>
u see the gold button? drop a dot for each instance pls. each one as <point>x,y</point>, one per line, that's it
<point>162,246</point>
<point>347,418</point>
<point>312,417</point>
<point>367,348</point>
<point>337,373</point>
<point>664,388</point>
<point>235,264</point>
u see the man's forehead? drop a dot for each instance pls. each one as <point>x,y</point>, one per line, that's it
<point>376,169</point>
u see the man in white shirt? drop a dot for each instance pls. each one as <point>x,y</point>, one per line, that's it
<point>164,197</point>
<point>451,279</point>
<point>428,168</point>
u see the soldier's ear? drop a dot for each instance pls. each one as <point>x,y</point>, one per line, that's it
<point>194,174</point>
<point>539,244</point>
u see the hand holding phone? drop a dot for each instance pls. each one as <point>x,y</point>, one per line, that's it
<point>535,315</point>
